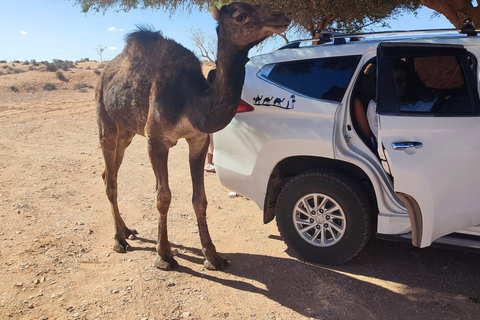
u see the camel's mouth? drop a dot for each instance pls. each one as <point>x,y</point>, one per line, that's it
<point>278,23</point>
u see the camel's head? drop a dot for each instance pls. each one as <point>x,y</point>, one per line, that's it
<point>245,25</point>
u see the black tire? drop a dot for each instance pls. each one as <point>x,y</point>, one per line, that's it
<point>355,221</point>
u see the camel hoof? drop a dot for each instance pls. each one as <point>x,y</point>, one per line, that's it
<point>121,246</point>
<point>165,265</point>
<point>217,263</point>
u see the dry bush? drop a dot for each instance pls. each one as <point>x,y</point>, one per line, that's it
<point>61,76</point>
<point>49,86</point>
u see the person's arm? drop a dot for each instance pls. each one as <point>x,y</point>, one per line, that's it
<point>361,119</point>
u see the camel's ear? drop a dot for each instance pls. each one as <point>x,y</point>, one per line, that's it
<point>215,12</point>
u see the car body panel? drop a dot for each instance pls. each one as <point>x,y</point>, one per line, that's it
<point>248,150</point>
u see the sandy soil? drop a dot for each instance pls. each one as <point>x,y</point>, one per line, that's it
<point>56,233</point>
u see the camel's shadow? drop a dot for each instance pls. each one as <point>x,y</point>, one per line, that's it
<point>413,281</point>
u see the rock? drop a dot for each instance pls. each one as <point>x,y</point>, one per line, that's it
<point>115,291</point>
<point>185,315</point>
<point>19,284</point>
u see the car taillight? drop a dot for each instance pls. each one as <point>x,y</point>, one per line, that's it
<point>244,107</point>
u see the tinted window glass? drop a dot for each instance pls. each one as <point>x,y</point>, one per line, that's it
<point>325,78</point>
<point>433,84</point>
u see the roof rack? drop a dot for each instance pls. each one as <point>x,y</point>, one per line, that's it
<point>340,38</point>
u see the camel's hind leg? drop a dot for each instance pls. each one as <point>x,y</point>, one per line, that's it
<point>158,153</point>
<point>198,150</point>
<point>113,142</point>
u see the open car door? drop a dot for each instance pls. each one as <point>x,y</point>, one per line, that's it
<point>429,134</point>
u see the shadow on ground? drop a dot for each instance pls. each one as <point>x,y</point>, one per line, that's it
<point>387,280</point>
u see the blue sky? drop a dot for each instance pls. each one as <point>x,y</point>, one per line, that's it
<point>57,29</point>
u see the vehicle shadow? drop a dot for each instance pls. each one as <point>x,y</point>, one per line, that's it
<point>387,280</point>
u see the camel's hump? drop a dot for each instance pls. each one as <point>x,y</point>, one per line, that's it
<point>143,35</point>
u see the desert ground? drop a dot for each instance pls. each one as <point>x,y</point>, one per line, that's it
<point>56,258</point>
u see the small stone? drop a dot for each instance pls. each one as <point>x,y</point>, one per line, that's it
<point>108,254</point>
<point>170,283</point>
<point>115,291</point>
<point>76,315</point>
<point>30,306</point>
<point>185,315</point>
<point>36,281</point>
<point>19,284</point>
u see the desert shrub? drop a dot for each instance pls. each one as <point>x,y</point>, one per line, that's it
<point>31,68</point>
<point>26,63</point>
<point>14,89</point>
<point>97,72</point>
<point>16,61</point>
<point>88,68</point>
<point>56,64</point>
<point>83,90</point>
<point>61,76</point>
<point>79,86</point>
<point>34,62</point>
<point>14,70</point>
<point>83,60</point>
<point>51,67</point>
<point>49,86</point>
<point>30,89</point>
<point>5,67</point>
<point>63,64</point>
<point>101,65</point>
<point>3,61</point>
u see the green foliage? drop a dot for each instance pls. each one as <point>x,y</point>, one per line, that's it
<point>97,72</point>
<point>49,86</point>
<point>100,50</point>
<point>340,15</point>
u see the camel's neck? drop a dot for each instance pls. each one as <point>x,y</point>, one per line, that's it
<point>219,104</point>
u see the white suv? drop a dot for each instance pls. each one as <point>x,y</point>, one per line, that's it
<point>297,145</point>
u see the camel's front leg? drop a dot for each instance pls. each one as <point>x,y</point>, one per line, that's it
<point>158,152</point>
<point>198,150</point>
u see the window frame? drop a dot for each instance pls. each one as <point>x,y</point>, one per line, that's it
<point>264,74</point>
<point>388,101</point>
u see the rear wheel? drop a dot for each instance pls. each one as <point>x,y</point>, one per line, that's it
<point>324,216</point>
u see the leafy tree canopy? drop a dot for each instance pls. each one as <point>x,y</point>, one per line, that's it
<point>345,15</point>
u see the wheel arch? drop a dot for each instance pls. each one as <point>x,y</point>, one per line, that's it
<point>292,166</point>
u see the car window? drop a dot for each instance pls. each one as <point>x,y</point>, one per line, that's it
<point>434,84</point>
<point>325,78</point>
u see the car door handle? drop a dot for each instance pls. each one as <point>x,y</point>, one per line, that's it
<point>402,145</point>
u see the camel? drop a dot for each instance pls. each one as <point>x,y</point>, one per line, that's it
<point>257,99</point>
<point>267,100</point>
<point>155,88</point>
<point>278,101</point>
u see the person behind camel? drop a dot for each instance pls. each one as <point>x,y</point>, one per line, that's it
<point>210,166</point>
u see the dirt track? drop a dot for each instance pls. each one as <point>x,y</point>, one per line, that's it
<point>56,233</point>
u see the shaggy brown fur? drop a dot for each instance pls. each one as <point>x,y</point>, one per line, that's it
<point>156,88</point>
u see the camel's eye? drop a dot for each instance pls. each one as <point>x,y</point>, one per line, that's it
<point>239,18</point>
